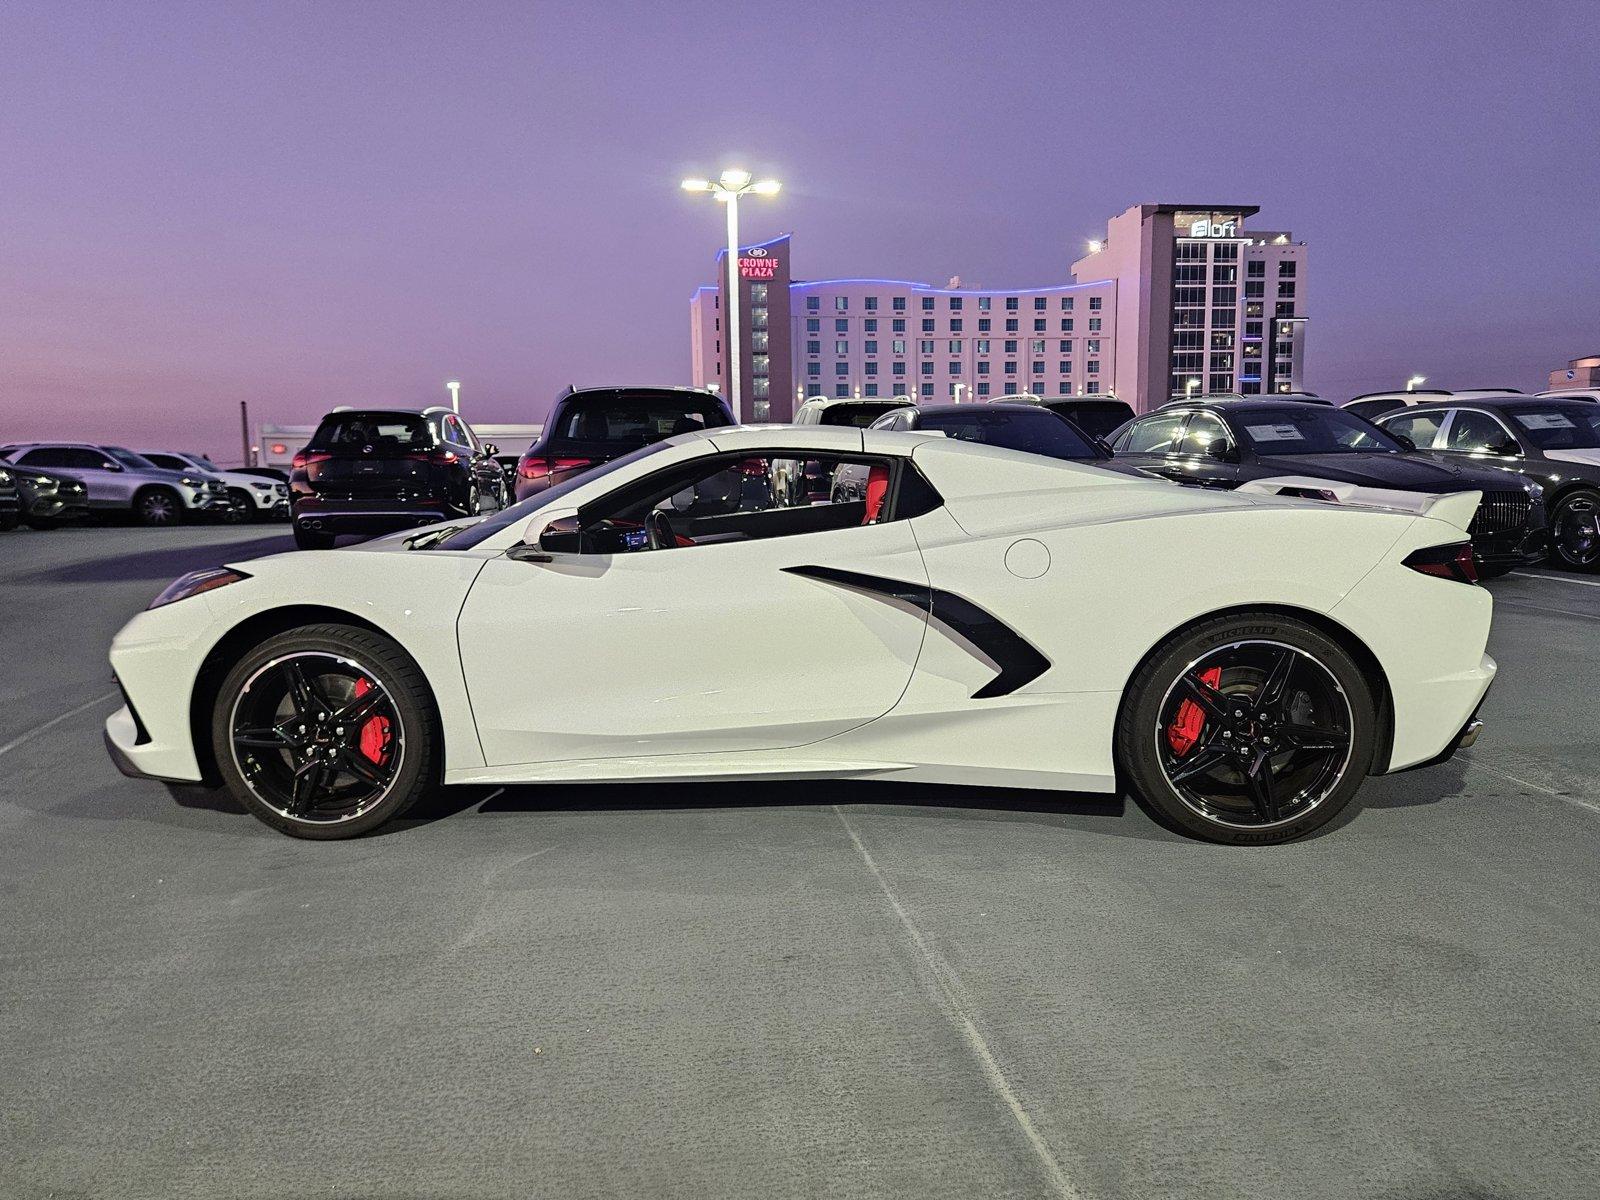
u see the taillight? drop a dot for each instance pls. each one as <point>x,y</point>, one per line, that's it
<point>571,464</point>
<point>541,468</point>
<point>1453,561</point>
<point>306,457</point>
<point>533,468</point>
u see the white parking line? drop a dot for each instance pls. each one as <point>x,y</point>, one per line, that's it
<point>53,722</point>
<point>946,981</point>
<point>1556,579</point>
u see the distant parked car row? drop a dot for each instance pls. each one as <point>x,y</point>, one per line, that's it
<point>59,482</point>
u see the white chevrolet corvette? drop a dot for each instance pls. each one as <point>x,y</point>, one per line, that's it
<point>978,616</point>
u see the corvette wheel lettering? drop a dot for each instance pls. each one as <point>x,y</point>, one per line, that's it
<point>1016,660</point>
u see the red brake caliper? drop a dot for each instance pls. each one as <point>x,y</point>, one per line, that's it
<point>1185,729</point>
<point>375,733</point>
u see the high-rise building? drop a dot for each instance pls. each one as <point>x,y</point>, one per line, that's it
<point>1173,295</point>
<point>1205,304</point>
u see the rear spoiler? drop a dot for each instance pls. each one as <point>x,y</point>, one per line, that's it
<point>1453,508</point>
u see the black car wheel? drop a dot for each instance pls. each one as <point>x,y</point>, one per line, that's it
<point>1248,730</point>
<point>1575,531</point>
<point>241,507</point>
<point>312,539</point>
<point>326,731</point>
<point>157,506</point>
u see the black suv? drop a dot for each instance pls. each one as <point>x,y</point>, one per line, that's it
<point>1224,443</point>
<point>372,470</point>
<point>590,426</point>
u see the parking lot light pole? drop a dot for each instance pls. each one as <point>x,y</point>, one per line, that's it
<point>455,395</point>
<point>727,189</point>
<point>1415,382</point>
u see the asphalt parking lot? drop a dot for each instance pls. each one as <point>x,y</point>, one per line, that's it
<point>787,990</point>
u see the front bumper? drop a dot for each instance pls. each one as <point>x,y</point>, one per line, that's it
<point>369,516</point>
<point>136,756</point>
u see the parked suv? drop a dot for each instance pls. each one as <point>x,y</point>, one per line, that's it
<point>1552,440</point>
<point>590,426</point>
<point>253,499</point>
<point>48,498</point>
<point>1098,416</point>
<point>375,470</point>
<point>797,481</point>
<point>120,481</point>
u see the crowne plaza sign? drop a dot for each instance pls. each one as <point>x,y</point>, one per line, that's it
<point>757,263</point>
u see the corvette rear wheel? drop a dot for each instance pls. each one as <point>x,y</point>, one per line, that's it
<point>1249,730</point>
<point>326,731</point>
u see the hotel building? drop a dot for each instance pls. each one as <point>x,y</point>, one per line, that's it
<point>1175,298</point>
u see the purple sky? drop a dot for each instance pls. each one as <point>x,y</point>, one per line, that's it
<point>308,204</point>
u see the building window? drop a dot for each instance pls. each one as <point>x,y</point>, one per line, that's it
<point>925,346</point>
<point>983,324</point>
<point>899,389</point>
<point>1092,346</point>
<point>758,293</point>
<point>814,346</point>
<point>1255,269</point>
<point>983,366</point>
<point>813,389</point>
<point>1092,388</point>
<point>841,303</point>
<point>898,368</point>
<point>1286,288</point>
<point>1064,388</point>
<point>841,391</point>
<point>1255,289</point>
<point>1038,325</point>
<point>1224,297</point>
<point>982,346</point>
<point>899,325</point>
<point>813,325</point>
<point>1064,346</point>
<point>1066,304</point>
<point>871,324</point>
<point>1011,389</point>
<point>1190,252</point>
<point>1252,329</point>
<point>1094,303</point>
<point>814,370</point>
<point>1285,308</point>
<point>955,369</point>
<point>983,388</point>
<point>872,304</point>
<point>955,346</point>
<point>1038,368</point>
<point>1224,273</point>
<point>1066,324</point>
<point>953,388</point>
<point>1222,318</point>
<point>983,303</point>
<point>1039,303</point>
<point>1094,324</point>
<point>841,368</point>
<point>1011,303</point>
<point>759,389</point>
<point>1226,251</point>
<point>1011,368</point>
<point>871,389</point>
<point>758,318</point>
<point>1011,345</point>
<point>1011,324</point>
<point>871,346</point>
<point>1286,268</point>
<point>955,324</point>
<point>927,304</point>
<point>870,368</point>
<point>926,367</point>
<point>1093,366</point>
<point>813,303</point>
<point>898,303</point>
<point>927,325</point>
<point>841,348</point>
<point>1191,273</point>
<point>898,346</point>
<point>1064,367</point>
<point>841,325</point>
<point>1037,345</point>
<point>955,303</point>
<point>927,390</point>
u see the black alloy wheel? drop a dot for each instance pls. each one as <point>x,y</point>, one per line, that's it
<point>1248,730</point>
<point>1575,531</point>
<point>325,732</point>
<point>240,507</point>
<point>157,506</point>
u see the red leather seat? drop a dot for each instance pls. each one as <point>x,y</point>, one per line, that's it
<point>877,492</point>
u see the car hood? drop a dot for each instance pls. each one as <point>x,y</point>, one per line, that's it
<point>52,473</point>
<point>1406,472</point>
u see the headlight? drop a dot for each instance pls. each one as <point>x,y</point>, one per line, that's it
<point>1535,491</point>
<point>42,480</point>
<point>196,582</point>
<point>191,481</point>
<point>265,487</point>
<point>5,476</point>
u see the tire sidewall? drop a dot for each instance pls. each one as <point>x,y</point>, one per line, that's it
<point>1584,495</point>
<point>143,499</point>
<point>394,670</point>
<point>1136,732</point>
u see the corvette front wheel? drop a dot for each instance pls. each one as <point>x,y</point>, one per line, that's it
<point>1250,730</point>
<point>326,731</point>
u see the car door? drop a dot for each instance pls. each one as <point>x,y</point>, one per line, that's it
<point>1205,454</point>
<point>1151,442</point>
<point>1482,437</point>
<point>1421,425</point>
<point>733,643</point>
<point>484,468</point>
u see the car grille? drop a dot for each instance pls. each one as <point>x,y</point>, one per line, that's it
<point>1500,512</point>
<point>217,488</point>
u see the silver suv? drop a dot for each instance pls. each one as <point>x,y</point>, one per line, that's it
<point>121,481</point>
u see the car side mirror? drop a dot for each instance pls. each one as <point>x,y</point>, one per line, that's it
<point>1405,442</point>
<point>545,534</point>
<point>109,465</point>
<point>1219,449</point>
<point>491,449</point>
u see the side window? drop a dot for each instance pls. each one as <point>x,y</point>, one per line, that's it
<point>1204,429</point>
<point>456,433</point>
<point>44,458</point>
<point>1476,433</point>
<point>1419,427</point>
<point>740,499</point>
<point>1154,435</point>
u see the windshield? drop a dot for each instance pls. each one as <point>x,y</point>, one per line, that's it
<point>128,458</point>
<point>1039,432</point>
<point>1102,420</point>
<point>1310,429</point>
<point>379,430</point>
<point>1559,426</point>
<point>170,461</point>
<point>858,416</point>
<point>471,535</point>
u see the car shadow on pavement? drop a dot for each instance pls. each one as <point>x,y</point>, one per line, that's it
<point>160,562</point>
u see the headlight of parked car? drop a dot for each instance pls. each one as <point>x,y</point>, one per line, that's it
<point>5,476</point>
<point>196,582</point>
<point>263,485</point>
<point>1535,491</point>
<point>191,481</point>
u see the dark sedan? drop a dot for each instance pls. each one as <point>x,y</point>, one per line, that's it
<point>1225,443</point>
<point>1552,441</point>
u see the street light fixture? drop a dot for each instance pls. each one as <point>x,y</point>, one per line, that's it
<point>1191,386</point>
<point>1415,382</point>
<point>955,391</point>
<point>727,189</point>
<point>455,395</point>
